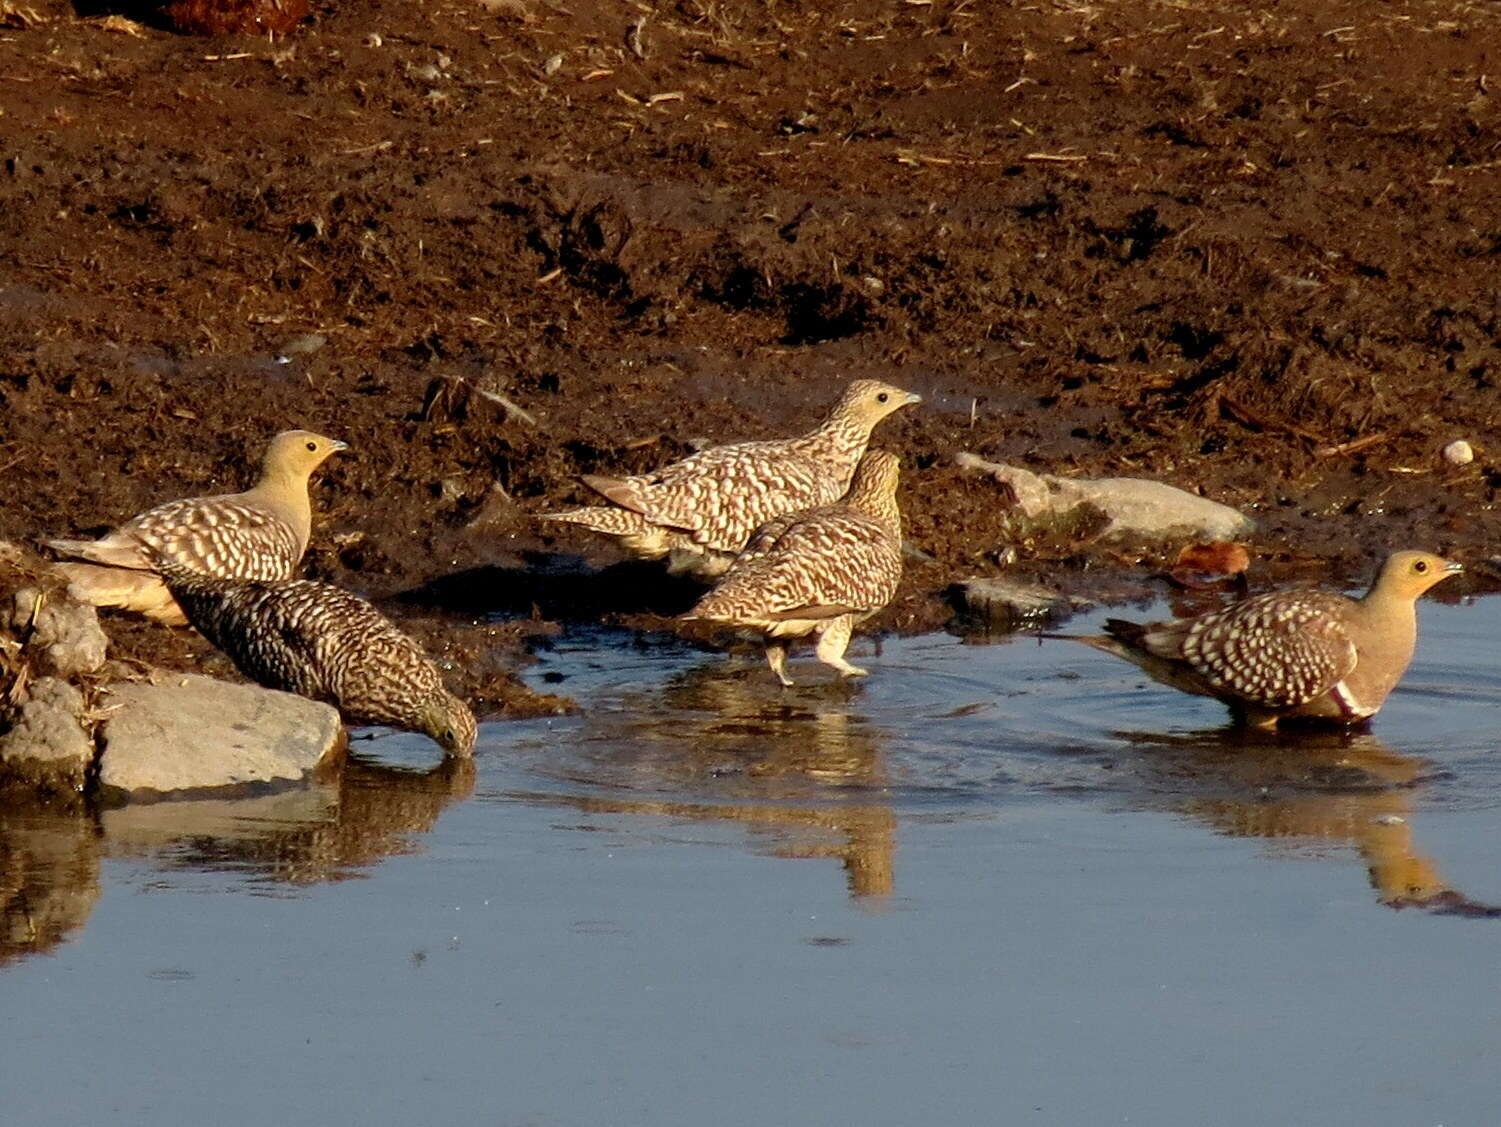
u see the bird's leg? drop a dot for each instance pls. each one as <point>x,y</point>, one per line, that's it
<point>832,640</point>
<point>776,657</point>
<point>1257,719</point>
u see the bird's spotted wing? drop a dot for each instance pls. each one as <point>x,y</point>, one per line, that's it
<point>221,537</point>
<point>1278,650</point>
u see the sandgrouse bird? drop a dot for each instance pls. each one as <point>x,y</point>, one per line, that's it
<point>705,507</point>
<point>821,571</point>
<point>258,534</point>
<point>318,641</point>
<point>1292,653</point>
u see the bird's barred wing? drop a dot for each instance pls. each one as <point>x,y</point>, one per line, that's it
<point>1278,650</point>
<point>764,540</point>
<point>720,496</point>
<point>828,563</point>
<point>262,632</point>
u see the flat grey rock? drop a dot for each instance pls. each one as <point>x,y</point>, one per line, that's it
<point>1134,508</point>
<point>195,733</point>
<point>47,748</point>
<point>1008,603</point>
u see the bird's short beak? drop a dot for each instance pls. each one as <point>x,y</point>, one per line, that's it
<point>337,445</point>
<point>913,397</point>
<point>1452,566</point>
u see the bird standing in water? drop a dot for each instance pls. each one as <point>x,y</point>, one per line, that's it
<point>821,571</point>
<point>1293,653</point>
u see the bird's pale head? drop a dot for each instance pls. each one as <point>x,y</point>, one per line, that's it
<point>450,723</point>
<point>866,402</point>
<point>299,452</point>
<point>1406,575</point>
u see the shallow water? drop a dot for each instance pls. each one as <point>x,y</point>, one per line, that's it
<point>992,883</point>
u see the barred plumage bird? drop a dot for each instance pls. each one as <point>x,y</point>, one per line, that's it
<point>258,534</point>
<point>324,643</point>
<point>821,571</point>
<point>706,506</point>
<point>1291,653</point>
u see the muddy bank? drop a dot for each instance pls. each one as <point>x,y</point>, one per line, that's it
<point>496,246</point>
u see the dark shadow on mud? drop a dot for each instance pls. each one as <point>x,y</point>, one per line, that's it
<point>560,588</point>
<point>140,11</point>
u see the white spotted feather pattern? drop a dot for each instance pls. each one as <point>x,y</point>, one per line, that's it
<point>1277,650</point>
<point>219,536</point>
<point>1290,655</point>
<point>258,534</point>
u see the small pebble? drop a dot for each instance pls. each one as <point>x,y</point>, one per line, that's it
<point>1459,453</point>
<point>303,345</point>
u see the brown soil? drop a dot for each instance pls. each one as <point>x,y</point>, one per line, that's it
<point>1249,249</point>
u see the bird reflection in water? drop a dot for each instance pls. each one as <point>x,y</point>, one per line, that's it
<point>797,768</point>
<point>325,832</point>
<point>1306,787</point>
<point>49,876</point>
<point>330,830</point>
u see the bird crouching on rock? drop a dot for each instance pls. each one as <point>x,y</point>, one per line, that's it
<point>320,642</point>
<point>1289,654</point>
<point>258,534</point>
<point>821,571</point>
<point>705,507</point>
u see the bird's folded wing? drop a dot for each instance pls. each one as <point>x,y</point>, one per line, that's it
<point>221,537</point>
<point>1277,651</point>
<point>721,495</point>
<point>834,562</point>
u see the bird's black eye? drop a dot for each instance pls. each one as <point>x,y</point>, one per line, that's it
<point>312,446</point>
<point>1420,567</point>
<point>882,398</point>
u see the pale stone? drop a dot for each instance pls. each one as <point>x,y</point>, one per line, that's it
<point>1459,453</point>
<point>63,636</point>
<point>47,748</point>
<point>192,733</point>
<point>1134,508</point>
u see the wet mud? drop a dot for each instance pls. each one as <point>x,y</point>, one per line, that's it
<point>495,246</point>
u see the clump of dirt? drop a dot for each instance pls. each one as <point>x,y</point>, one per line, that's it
<point>495,246</point>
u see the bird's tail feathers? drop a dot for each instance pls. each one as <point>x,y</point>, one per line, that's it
<point>600,518</point>
<point>140,591</point>
<point>112,551</point>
